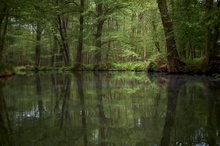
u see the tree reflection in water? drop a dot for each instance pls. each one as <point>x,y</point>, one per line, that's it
<point>65,111</point>
<point>174,86</point>
<point>79,81</point>
<point>192,112</point>
<point>102,118</point>
<point>117,108</point>
<point>5,123</point>
<point>38,93</point>
<point>213,117</point>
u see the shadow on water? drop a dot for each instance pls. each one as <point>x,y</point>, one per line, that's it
<point>115,108</point>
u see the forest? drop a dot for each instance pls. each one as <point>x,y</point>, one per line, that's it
<point>47,43</point>
<point>172,36</point>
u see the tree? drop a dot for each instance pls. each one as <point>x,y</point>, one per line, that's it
<point>104,10</point>
<point>173,60</point>
<point>38,46</point>
<point>31,18</point>
<point>61,20</point>
<point>213,25</point>
<point>79,56</point>
<point>189,29</point>
<point>55,48</point>
<point>98,35</point>
<point>4,15</point>
<point>37,22</point>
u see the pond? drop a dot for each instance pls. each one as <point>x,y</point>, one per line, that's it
<point>109,108</point>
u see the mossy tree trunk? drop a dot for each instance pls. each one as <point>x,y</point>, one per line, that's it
<point>174,64</point>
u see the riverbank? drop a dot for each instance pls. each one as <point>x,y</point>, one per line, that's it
<point>128,66</point>
<point>193,68</point>
<point>190,67</point>
<point>6,70</point>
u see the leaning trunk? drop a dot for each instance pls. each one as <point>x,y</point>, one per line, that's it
<point>172,54</point>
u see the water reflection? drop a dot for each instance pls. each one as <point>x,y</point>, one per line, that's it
<point>40,107</point>
<point>79,81</point>
<point>213,116</point>
<point>174,86</point>
<point>65,110</point>
<point>5,123</point>
<point>109,109</point>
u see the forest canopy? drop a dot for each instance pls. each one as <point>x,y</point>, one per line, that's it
<point>157,35</point>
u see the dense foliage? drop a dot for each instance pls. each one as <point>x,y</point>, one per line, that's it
<point>103,33</point>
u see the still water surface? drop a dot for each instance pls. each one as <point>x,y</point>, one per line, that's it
<point>113,109</point>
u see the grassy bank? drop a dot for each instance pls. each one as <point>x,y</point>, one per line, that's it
<point>194,66</point>
<point>128,66</point>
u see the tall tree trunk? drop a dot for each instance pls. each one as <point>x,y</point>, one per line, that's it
<point>174,63</point>
<point>64,46</point>
<point>3,28</point>
<point>38,46</point>
<point>108,45</point>
<point>98,35</point>
<point>54,51</point>
<point>79,56</point>
<point>212,40</point>
<point>143,33</point>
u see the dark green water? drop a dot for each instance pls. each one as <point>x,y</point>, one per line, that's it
<point>109,109</point>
